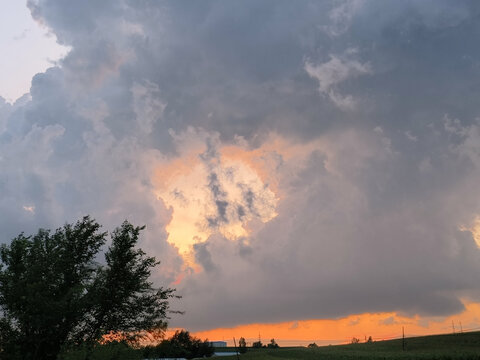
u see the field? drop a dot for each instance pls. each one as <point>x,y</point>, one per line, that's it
<point>465,346</point>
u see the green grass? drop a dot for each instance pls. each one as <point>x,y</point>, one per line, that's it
<point>464,346</point>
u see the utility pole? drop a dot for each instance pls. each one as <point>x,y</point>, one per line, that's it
<point>235,343</point>
<point>461,328</point>
<point>453,327</point>
<point>403,338</point>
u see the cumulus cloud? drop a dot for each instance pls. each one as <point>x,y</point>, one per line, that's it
<point>5,109</point>
<point>359,200</point>
<point>214,193</point>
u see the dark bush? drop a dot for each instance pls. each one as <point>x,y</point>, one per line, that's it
<point>180,345</point>
<point>273,344</point>
<point>257,344</point>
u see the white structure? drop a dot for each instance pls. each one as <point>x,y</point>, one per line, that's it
<point>218,343</point>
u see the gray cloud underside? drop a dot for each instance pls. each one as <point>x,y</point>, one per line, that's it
<point>371,224</point>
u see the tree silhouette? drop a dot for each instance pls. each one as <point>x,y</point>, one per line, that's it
<point>242,345</point>
<point>53,293</point>
<point>273,344</point>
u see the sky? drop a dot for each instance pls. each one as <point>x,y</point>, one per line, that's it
<point>306,170</point>
<point>27,48</point>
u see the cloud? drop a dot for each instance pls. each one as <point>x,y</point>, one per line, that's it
<point>22,35</point>
<point>341,16</point>
<point>203,257</point>
<point>340,220</point>
<point>334,72</point>
<point>354,322</point>
<point>389,321</point>
<point>147,105</point>
<point>220,192</point>
<point>5,109</point>
<point>359,200</point>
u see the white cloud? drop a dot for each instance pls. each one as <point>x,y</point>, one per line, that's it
<point>410,136</point>
<point>332,73</point>
<point>30,208</point>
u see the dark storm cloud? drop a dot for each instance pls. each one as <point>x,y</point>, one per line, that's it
<point>203,257</point>
<point>248,197</point>
<point>211,158</point>
<point>368,220</point>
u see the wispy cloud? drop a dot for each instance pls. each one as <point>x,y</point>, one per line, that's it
<point>332,73</point>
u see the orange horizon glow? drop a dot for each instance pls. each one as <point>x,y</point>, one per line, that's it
<point>380,326</point>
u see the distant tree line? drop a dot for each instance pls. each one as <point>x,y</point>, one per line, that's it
<point>357,340</point>
<point>180,345</point>
<point>272,345</point>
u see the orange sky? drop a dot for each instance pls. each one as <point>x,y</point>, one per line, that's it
<point>380,326</point>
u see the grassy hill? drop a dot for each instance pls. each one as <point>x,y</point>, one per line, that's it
<point>465,346</point>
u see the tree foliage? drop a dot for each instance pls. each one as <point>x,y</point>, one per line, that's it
<point>242,346</point>
<point>273,344</point>
<point>180,345</point>
<point>53,293</point>
<point>257,344</point>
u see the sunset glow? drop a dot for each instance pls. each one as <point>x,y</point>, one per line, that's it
<point>380,326</point>
<point>305,170</point>
<point>193,186</point>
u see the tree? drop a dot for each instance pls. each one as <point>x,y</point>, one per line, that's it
<point>273,344</point>
<point>180,345</point>
<point>355,340</point>
<point>312,345</point>
<point>242,346</point>
<point>53,293</point>
<point>257,344</point>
